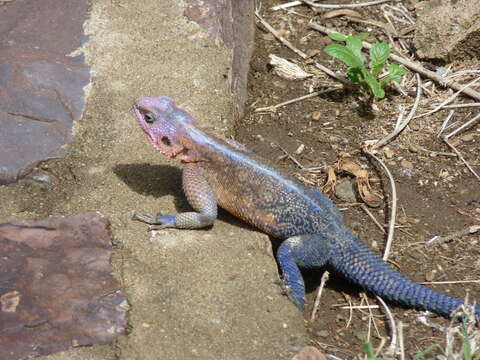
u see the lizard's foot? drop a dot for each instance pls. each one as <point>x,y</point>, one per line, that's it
<point>157,222</point>
<point>144,218</point>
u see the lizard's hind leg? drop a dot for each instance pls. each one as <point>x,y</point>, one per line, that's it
<point>302,251</point>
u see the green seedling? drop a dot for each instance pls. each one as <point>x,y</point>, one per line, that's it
<point>351,55</point>
<point>368,350</point>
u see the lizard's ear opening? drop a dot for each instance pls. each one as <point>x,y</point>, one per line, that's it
<point>166,141</point>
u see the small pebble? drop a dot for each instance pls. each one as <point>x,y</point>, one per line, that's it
<point>280,84</point>
<point>414,126</point>
<point>42,177</point>
<point>429,276</point>
<point>300,149</point>
<point>414,148</point>
<point>467,138</point>
<point>313,52</point>
<point>388,153</point>
<point>323,333</point>
<point>406,164</point>
<point>316,115</point>
<point>345,192</point>
<point>360,335</point>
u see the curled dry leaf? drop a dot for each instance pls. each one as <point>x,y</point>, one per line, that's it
<point>287,69</point>
<point>331,181</point>
<point>363,177</point>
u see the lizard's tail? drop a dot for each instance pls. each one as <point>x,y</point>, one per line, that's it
<point>363,267</point>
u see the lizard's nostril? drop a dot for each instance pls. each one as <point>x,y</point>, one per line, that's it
<point>166,141</point>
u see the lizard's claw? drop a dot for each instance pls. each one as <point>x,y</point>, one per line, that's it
<point>151,220</point>
<point>157,222</point>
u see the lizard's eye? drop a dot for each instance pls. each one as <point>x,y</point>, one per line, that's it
<point>166,141</point>
<point>149,117</point>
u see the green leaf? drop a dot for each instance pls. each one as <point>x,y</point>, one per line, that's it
<point>395,73</point>
<point>355,74</point>
<point>422,354</point>
<point>467,347</point>
<point>368,350</point>
<point>379,53</point>
<point>374,85</point>
<point>343,53</point>
<point>337,37</point>
<point>361,36</point>
<point>354,43</point>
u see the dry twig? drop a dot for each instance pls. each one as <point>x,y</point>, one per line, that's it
<point>393,328</point>
<point>456,106</point>
<point>450,99</point>
<point>393,208</point>
<point>398,129</point>
<point>364,208</point>
<point>346,6</point>
<point>467,125</point>
<point>442,239</point>
<point>455,132</point>
<point>273,108</point>
<point>323,281</point>
<point>300,53</point>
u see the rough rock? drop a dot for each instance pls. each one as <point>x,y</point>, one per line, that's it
<point>448,29</point>
<point>229,22</point>
<point>56,290</point>
<point>310,353</point>
<point>41,81</point>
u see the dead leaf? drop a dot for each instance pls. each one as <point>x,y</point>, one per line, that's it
<point>268,37</point>
<point>363,179</point>
<point>341,12</point>
<point>287,69</point>
<point>331,181</point>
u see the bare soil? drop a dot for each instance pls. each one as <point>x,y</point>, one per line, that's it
<point>437,195</point>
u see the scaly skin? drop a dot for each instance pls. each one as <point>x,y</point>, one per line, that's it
<point>218,171</point>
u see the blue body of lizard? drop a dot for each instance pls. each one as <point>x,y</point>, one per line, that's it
<point>313,234</point>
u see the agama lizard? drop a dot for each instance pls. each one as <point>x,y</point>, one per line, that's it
<point>222,172</point>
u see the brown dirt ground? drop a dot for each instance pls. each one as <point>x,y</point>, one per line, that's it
<point>436,194</point>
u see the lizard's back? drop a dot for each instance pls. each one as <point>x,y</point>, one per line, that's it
<point>252,190</point>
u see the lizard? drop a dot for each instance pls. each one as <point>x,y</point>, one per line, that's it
<point>221,172</point>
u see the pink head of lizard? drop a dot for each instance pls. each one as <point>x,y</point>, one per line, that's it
<point>165,125</point>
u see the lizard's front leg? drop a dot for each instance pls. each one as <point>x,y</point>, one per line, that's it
<point>199,195</point>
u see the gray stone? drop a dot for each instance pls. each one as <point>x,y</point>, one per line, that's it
<point>345,192</point>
